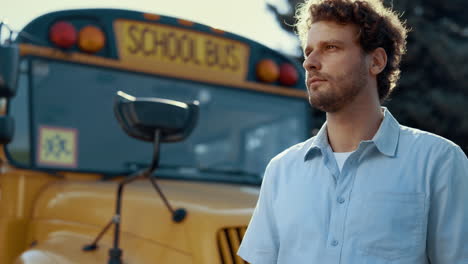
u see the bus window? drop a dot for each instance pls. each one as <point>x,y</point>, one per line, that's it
<point>265,140</point>
<point>81,98</point>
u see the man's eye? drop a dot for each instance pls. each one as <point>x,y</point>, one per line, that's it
<point>331,47</point>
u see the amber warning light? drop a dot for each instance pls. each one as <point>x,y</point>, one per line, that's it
<point>91,39</point>
<point>267,71</point>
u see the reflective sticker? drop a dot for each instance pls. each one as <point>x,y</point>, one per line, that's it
<point>57,146</point>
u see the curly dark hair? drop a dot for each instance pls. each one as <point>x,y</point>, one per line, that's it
<point>378,27</point>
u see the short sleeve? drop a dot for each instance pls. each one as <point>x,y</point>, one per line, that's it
<point>447,239</point>
<point>260,243</point>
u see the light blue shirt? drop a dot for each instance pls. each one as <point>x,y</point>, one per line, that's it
<point>401,197</point>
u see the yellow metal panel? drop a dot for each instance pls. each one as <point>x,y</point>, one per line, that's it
<point>77,206</point>
<point>208,205</point>
<point>224,248</point>
<point>235,242</point>
<point>19,191</point>
<point>242,232</point>
<point>12,238</point>
<point>64,247</point>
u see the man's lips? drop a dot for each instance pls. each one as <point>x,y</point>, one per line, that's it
<point>315,80</point>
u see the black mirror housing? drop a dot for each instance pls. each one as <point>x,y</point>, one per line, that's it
<point>141,117</point>
<point>7,129</point>
<point>9,58</point>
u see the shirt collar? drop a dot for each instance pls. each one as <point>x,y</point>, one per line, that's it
<point>318,143</point>
<point>386,138</point>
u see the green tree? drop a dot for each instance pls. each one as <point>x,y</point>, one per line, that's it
<point>432,94</point>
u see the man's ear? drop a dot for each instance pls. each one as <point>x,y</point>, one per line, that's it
<point>378,61</point>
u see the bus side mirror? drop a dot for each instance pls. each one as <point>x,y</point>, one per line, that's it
<point>7,127</point>
<point>9,61</point>
<point>141,117</point>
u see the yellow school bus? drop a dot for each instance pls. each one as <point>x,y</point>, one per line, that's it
<point>63,152</point>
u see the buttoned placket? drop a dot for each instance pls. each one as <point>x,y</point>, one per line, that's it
<point>344,182</point>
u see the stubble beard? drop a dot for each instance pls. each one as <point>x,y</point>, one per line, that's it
<point>341,90</point>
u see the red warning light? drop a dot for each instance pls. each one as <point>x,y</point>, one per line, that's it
<point>288,75</point>
<point>63,34</point>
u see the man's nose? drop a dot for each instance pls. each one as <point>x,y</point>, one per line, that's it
<point>312,63</point>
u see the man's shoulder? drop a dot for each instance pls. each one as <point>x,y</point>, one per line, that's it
<point>417,138</point>
<point>294,153</point>
<point>286,162</point>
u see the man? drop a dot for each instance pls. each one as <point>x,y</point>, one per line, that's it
<point>365,189</point>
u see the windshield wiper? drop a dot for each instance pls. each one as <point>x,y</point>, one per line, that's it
<point>189,172</point>
<point>135,166</point>
<point>229,172</point>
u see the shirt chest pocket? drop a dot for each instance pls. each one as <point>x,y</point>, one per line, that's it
<point>391,225</point>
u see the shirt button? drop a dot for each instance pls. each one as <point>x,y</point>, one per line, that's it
<point>334,243</point>
<point>341,200</point>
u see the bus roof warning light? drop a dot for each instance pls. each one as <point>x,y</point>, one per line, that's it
<point>91,39</point>
<point>63,34</point>
<point>267,71</point>
<point>288,75</point>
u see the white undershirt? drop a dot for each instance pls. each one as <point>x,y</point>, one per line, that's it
<point>341,157</point>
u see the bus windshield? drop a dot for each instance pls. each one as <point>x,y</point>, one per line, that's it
<point>73,124</point>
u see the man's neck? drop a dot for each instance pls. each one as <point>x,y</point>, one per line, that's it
<point>348,127</point>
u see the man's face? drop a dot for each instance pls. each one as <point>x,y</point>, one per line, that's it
<point>336,68</point>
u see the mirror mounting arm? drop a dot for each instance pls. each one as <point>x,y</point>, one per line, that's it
<point>115,253</point>
<point>155,162</point>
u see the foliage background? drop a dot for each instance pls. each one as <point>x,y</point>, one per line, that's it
<point>432,94</point>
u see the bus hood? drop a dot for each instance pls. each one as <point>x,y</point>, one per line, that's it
<point>68,215</point>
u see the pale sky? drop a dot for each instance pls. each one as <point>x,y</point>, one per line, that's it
<point>248,18</point>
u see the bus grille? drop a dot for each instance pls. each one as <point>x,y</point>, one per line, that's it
<point>229,240</point>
